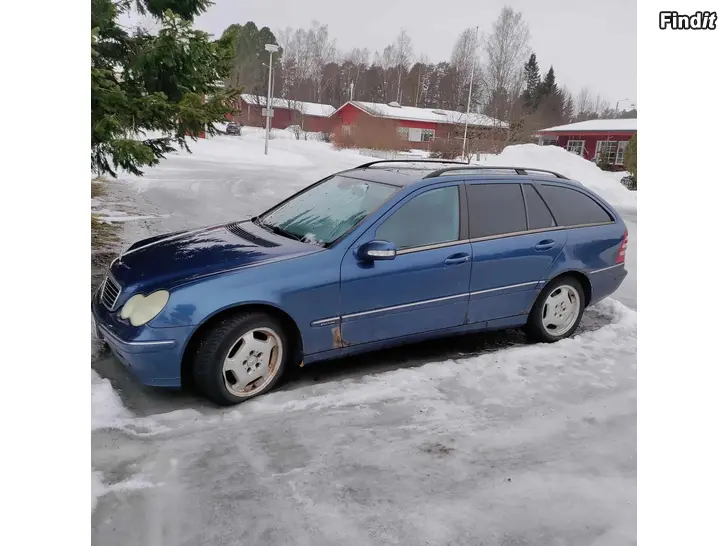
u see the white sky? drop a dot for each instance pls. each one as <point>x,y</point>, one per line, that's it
<point>590,43</point>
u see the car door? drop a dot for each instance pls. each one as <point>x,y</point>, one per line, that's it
<point>425,287</point>
<point>515,241</point>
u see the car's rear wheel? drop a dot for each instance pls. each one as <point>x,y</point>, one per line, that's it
<point>241,357</point>
<point>557,311</point>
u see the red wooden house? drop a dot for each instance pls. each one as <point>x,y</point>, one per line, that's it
<point>590,139</point>
<point>419,126</point>
<point>310,116</point>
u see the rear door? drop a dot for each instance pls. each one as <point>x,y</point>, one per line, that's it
<point>515,241</point>
<point>425,287</point>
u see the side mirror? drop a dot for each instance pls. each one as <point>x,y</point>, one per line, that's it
<point>376,250</point>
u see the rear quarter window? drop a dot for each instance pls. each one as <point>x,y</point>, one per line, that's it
<point>572,207</point>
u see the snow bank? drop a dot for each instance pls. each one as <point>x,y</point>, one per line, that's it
<point>557,159</point>
<point>107,409</point>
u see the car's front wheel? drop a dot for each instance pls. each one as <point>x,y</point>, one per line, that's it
<point>241,357</point>
<point>557,311</point>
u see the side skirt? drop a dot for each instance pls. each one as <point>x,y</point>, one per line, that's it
<point>500,324</point>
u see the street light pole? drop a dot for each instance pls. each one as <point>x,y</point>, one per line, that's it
<point>271,48</point>
<point>616,108</point>
<point>470,92</point>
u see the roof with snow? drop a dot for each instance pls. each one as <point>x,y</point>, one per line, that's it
<point>595,125</point>
<point>306,108</point>
<point>432,115</point>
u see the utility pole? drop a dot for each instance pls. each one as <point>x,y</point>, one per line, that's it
<point>351,91</point>
<point>470,92</point>
<point>270,48</point>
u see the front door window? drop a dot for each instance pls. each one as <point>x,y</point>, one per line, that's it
<point>430,218</point>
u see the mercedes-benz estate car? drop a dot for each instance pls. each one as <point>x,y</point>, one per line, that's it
<point>384,254</point>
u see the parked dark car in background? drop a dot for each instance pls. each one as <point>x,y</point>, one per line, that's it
<point>232,129</point>
<point>380,255</point>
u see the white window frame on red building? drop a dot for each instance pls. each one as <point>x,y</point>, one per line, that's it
<point>581,147</point>
<point>611,150</point>
<point>415,134</point>
<point>621,148</point>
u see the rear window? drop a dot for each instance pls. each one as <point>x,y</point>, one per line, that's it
<point>572,207</point>
<point>495,209</point>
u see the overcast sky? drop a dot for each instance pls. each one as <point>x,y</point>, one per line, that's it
<point>590,43</point>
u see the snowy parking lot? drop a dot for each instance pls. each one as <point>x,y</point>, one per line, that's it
<point>480,439</point>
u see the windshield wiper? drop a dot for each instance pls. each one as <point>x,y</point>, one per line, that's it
<point>279,231</point>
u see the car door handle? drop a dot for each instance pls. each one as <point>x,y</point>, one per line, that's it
<point>545,245</point>
<point>457,259</point>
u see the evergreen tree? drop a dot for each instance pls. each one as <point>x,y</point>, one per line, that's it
<point>533,81</point>
<point>250,58</point>
<point>569,108</point>
<point>169,83</point>
<point>548,85</point>
<point>630,157</point>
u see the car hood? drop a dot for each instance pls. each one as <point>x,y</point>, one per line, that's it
<point>174,258</point>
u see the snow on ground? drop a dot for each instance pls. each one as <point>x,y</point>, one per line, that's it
<point>461,444</point>
<point>571,165</point>
<point>530,445</point>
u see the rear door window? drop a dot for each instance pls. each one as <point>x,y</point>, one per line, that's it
<point>572,207</point>
<point>495,209</point>
<point>539,216</point>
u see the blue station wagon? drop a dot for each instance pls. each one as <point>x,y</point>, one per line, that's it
<point>384,254</point>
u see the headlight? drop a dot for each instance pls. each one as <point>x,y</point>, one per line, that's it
<point>141,309</point>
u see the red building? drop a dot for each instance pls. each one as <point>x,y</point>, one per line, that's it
<point>590,139</point>
<point>310,116</point>
<point>419,126</point>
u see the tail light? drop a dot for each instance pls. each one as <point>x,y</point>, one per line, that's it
<point>622,248</point>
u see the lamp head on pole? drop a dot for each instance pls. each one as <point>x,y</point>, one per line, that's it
<point>272,48</point>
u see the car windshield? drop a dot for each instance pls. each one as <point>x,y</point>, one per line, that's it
<point>328,210</point>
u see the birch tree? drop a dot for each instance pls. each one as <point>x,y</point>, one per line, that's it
<point>506,50</point>
<point>402,56</point>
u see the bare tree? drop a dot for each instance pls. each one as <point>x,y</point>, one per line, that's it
<point>321,51</point>
<point>506,50</point>
<point>584,104</point>
<point>402,56</point>
<point>422,65</point>
<point>601,107</point>
<point>357,61</point>
<point>463,60</point>
<point>385,65</point>
<point>588,106</point>
<point>305,54</point>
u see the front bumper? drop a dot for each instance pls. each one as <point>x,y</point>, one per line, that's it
<point>153,355</point>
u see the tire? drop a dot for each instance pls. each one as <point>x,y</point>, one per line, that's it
<point>228,362</point>
<point>546,313</point>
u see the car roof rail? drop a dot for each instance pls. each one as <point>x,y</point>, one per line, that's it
<point>523,171</point>
<point>434,161</point>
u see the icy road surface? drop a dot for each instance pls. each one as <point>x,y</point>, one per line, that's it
<point>480,439</point>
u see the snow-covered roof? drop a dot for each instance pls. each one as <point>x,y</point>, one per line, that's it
<point>306,108</point>
<point>595,125</point>
<point>432,115</point>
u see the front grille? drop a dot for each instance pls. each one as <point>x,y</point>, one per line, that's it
<point>236,229</point>
<point>110,291</point>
